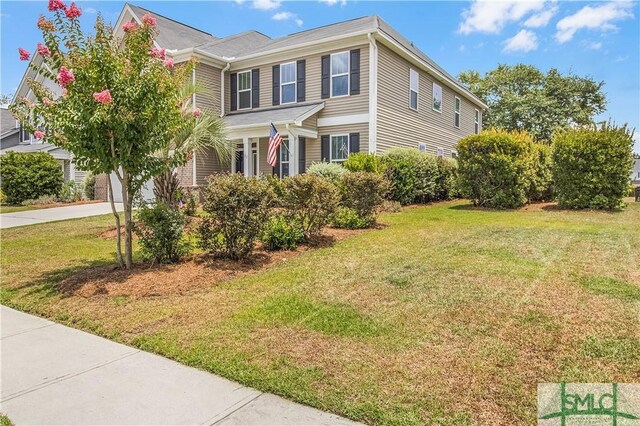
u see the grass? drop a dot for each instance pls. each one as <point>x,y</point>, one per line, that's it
<point>448,315</point>
<point>5,208</point>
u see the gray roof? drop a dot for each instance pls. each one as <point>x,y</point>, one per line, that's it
<point>7,122</point>
<point>56,152</point>
<point>173,34</point>
<point>236,45</point>
<point>279,115</point>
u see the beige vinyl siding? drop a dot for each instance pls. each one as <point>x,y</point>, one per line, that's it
<point>398,125</point>
<point>208,78</point>
<point>265,168</point>
<point>208,163</point>
<point>346,105</point>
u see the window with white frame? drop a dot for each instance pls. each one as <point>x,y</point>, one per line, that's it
<point>454,153</point>
<point>413,89</point>
<point>440,152</point>
<point>339,148</point>
<point>288,83</point>
<point>244,90</point>
<point>476,122</point>
<point>422,147</point>
<point>285,158</point>
<point>340,74</point>
<point>456,113</point>
<point>437,98</point>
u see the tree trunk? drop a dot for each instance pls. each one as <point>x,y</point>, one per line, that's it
<point>165,187</point>
<point>127,200</point>
<point>117,216</point>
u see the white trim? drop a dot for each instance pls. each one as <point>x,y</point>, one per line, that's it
<point>342,74</point>
<point>433,97</point>
<point>244,90</point>
<point>457,111</point>
<point>331,160</point>
<point>194,174</point>
<point>222,86</point>
<point>454,153</point>
<point>373,93</point>
<point>413,72</point>
<point>476,121</point>
<point>298,121</point>
<point>439,152</point>
<point>344,119</point>
<point>294,82</point>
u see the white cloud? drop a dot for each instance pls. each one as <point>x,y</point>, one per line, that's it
<point>461,48</point>
<point>594,45</point>
<point>593,18</point>
<point>332,2</point>
<point>541,19</point>
<point>621,58</point>
<point>524,41</point>
<point>239,1</point>
<point>488,16</point>
<point>265,4</point>
<point>90,10</point>
<point>286,16</point>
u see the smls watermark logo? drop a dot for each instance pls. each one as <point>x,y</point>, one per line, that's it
<point>569,404</point>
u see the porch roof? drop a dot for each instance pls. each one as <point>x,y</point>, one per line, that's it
<point>56,152</point>
<point>294,114</point>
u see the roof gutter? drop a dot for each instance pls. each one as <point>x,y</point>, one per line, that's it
<point>225,69</point>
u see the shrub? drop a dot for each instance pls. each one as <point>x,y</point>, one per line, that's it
<point>311,201</point>
<point>238,207</point>
<point>495,168</point>
<point>447,179</point>
<point>364,162</point>
<point>591,166</point>
<point>390,207</point>
<point>364,193</point>
<point>70,192</point>
<point>541,177</point>
<point>27,176</point>
<point>41,200</point>
<point>331,171</point>
<point>188,198</point>
<point>160,229</point>
<point>280,233</point>
<point>3,198</point>
<point>412,175</point>
<point>350,219</point>
<point>89,185</point>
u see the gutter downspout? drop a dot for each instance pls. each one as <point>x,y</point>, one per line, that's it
<point>225,69</point>
<point>373,93</point>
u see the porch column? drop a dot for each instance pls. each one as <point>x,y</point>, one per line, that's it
<point>246,154</point>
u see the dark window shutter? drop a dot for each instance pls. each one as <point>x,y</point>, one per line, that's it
<point>302,154</point>
<point>233,83</point>
<point>325,154</point>
<point>354,74</point>
<point>354,142</point>
<point>300,84</point>
<point>276,85</point>
<point>255,88</point>
<point>326,77</point>
<point>276,169</point>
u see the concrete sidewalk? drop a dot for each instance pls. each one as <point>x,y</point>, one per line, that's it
<point>52,374</point>
<point>31,217</point>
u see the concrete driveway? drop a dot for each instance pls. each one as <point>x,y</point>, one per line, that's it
<point>52,374</point>
<point>31,217</point>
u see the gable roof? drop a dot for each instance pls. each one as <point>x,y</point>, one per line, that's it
<point>236,45</point>
<point>173,34</point>
<point>7,122</point>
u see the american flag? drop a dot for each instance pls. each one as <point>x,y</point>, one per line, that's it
<point>274,143</point>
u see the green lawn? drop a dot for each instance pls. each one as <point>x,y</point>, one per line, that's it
<point>447,315</point>
<point>13,209</point>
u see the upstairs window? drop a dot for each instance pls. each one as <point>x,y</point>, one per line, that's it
<point>476,122</point>
<point>340,74</point>
<point>437,98</point>
<point>439,152</point>
<point>288,83</point>
<point>413,90</point>
<point>244,90</point>
<point>339,148</point>
<point>456,113</point>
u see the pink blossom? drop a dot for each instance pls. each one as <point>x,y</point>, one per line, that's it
<point>24,54</point>
<point>65,76</point>
<point>27,102</point>
<point>190,155</point>
<point>103,97</point>
<point>38,134</point>
<point>64,92</point>
<point>45,24</point>
<point>197,112</point>
<point>47,102</point>
<point>149,20</point>
<point>158,53</point>
<point>43,50</point>
<point>73,12</point>
<point>129,26</point>
<point>168,63</point>
<point>55,5</point>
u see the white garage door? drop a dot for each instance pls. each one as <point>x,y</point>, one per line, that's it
<point>147,189</point>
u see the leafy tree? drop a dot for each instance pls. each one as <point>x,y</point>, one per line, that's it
<point>120,103</point>
<point>521,97</point>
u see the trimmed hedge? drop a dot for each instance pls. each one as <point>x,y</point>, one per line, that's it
<point>28,176</point>
<point>364,162</point>
<point>447,180</point>
<point>160,229</point>
<point>591,166</point>
<point>331,171</point>
<point>413,175</point>
<point>363,193</point>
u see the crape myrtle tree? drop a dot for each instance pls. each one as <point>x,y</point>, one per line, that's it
<point>121,105</point>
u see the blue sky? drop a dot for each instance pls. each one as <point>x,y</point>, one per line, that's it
<point>598,39</point>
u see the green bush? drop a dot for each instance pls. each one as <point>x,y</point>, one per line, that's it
<point>280,233</point>
<point>447,179</point>
<point>412,174</point>
<point>27,176</point>
<point>89,185</point>
<point>331,171</point>
<point>495,168</point>
<point>160,229</point>
<point>364,162</point>
<point>3,198</point>
<point>541,178</point>
<point>364,193</point>
<point>70,192</point>
<point>591,166</point>
<point>41,201</point>
<point>237,208</point>
<point>347,218</point>
<point>311,201</point>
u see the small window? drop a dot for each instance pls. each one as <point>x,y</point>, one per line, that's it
<point>413,90</point>
<point>422,147</point>
<point>476,122</point>
<point>440,152</point>
<point>285,158</point>
<point>244,90</point>
<point>454,153</point>
<point>288,83</point>
<point>340,74</point>
<point>339,148</point>
<point>456,113</point>
<point>437,98</point>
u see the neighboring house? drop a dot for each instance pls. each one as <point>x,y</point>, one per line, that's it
<point>14,138</point>
<point>635,172</point>
<point>353,86</point>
